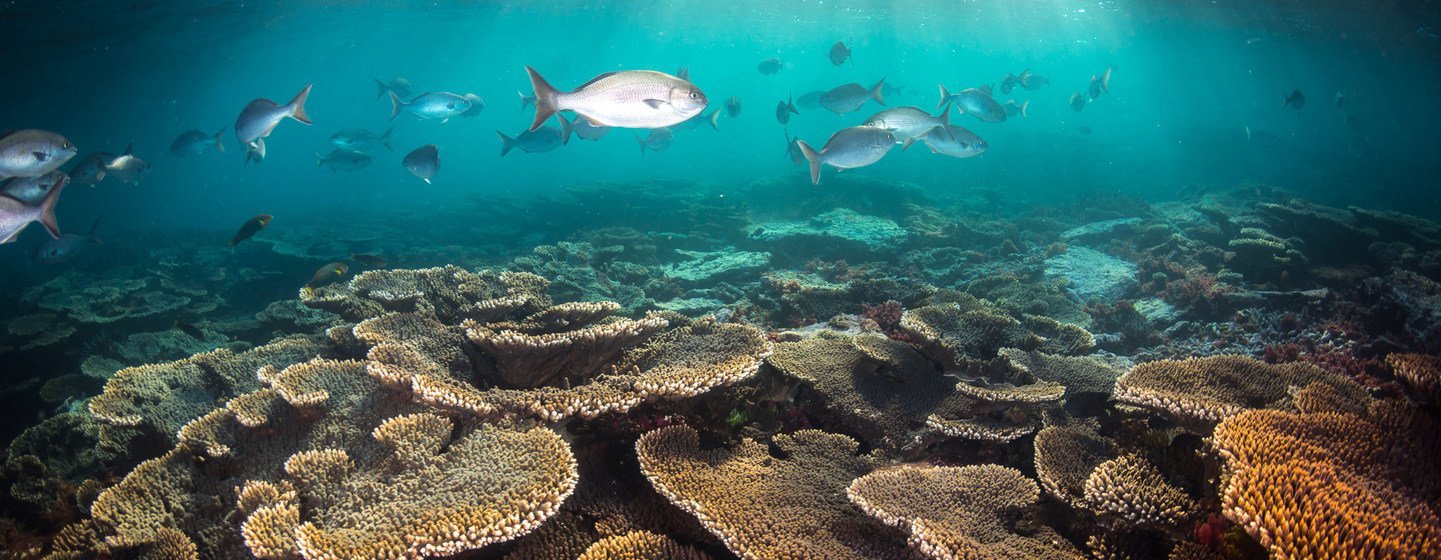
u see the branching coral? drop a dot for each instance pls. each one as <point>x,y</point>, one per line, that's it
<point>1199,392</point>
<point>641,545</point>
<point>1129,492</point>
<point>764,506</point>
<point>960,512</point>
<point>1421,372</point>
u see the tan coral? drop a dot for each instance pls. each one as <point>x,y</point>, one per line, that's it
<point>1198,392</point>
<point>1129,492</point>
<point>641,545</point>
<point>1421,372</point>
<point>960,512</point>
<point>958,338</point>
<point>762,506</point>
<point>1065,459</point>
<point>1079,374</point>
<point>527,361</point>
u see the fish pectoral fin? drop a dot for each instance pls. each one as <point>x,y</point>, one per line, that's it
<point>655,103</point>
<point>590,121</point>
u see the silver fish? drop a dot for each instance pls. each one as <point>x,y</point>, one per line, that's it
<point>628,99</point>
<point>587,131</point>
<point>423,162</point>
<point>128,167</point>
<point>32,153</point>
<point>770,66</point>
<point>431,105</point>
<point>909,122</point>
<point>66,247</point>
<point>784,110</point>
<point>260,117</point>
<point>89,170</point>
<point>477,104</point>
<point>32,190</point>
<point>255,152</point>
<point>361,139</point>
<point>399,86</point>
<point>974,102</point>
<point>959,143</point>
<point>812,99</point>
<point>343,160</point>
<point>1031,82</point>
<point>659,139</point>
<point>525,100</point>
<point>544,139</point>
<point>840,53</point>
<point>15,215</point>
<point>1014,109</point>
<point>195,142</point>
<point>849,148</point>
<point>850,97</point>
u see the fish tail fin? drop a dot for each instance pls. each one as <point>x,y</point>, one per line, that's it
<point>814,158</point>
<point>565,129</point>
<point>99,167</point>
<point>385,139</point>
<point>876,92</point>
<point>791,105</point>
<point>641,141</point>
<point>220,144</point>
<point>1106,80</point>
<point>523,100</point>
<point>395,105</point>
<point>380,88</point>
<point>47,207</point>
<point>297,105</point>
<point>506,143</point>
<point>714,119</point>
<point>909,142</point>
<point>545,98</point>
<point>945,94</point>
<point>1024,107</point>
<point>319,159</point>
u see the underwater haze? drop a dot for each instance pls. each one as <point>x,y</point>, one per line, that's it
<point>346,280</point>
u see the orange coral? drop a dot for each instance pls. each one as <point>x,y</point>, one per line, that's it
<point>1421,372</point>
<point>1198,392</point>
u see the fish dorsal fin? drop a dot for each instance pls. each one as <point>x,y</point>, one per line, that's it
<point>592,81</point>
<point>129,150</point>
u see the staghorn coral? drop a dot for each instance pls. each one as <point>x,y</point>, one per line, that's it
<point>641,545</point>
<point>1334,485</point>
<point>1065,458</point>
<point>1198,392</point>
<point>960,512</point>
<point>765,506</point>
<point>1129,492</point>
<point>1421,372</point>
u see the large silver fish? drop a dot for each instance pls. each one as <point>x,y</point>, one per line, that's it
<point>32,153</point>
<point>65,247</point>
<point>627,99</point>
<point>958,142</point>
<point>974,102</point>
<point>430,105</point>
<point>260,117</point>
<point>128,167</point>
<point>32,190</point>
<point>15,215</point>
<point>196,142</point>
<point>343,160</point>
<point>544,139</point>
<point>361,139</point>
<point>849,148</point>
<point>423,162</point>
<point>909,122</point>
<point>850,97</point>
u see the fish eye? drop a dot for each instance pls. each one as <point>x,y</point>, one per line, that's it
<point>694,95</point>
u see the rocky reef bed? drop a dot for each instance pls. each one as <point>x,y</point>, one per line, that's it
<point>865,373</point>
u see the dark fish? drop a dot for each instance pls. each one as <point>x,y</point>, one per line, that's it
<point>1031,82</point>
<point>957,142</point>
<point>190,330</point>
<point>659,139</point>
<point>430,105</point>
<point>15,215</point>
<point>128,167</point>
<point>909,122</point>
<point>1008,83</point>
<point>629,99</point>
<point>398,86</point>
<point>423,162</point>
<point>1340,100</point>
<point>370,261</point>
<point>770,66</point>
<point>1014,109</point>
<point>1078,102</point>
<point>849,148</point>
<point>525,100</point>
<point>32,190</point>
<point>974,102</point>
<point>89,170</point>
<point>195,142</point>
<point>1100,84</point>
<point>587,131</point>
<point>812,99</point>
<point>1295,100</point>
<point>850,97</point>
<point>259,118</point>
<point>544,139</point>
<point>343,160</point>
<point>733,107</point>
<point>784,110</point>
<point>327,274</point>
<point>66,247</point>
<point>32,153</point>
<point>1083,129</point>
<point>986,88</point>
<point>361,139</point>
<point>840,53</point>
<point>793,150</point>
<point>477,104</point>
<point>250,228</point>
<point>891,92</point>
